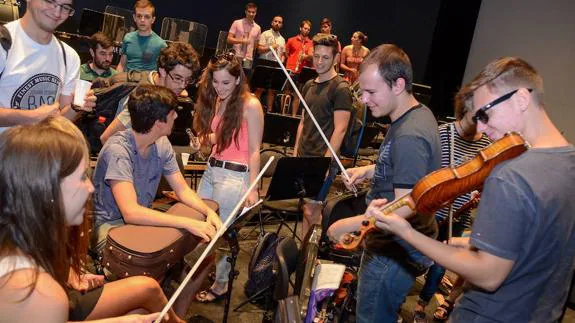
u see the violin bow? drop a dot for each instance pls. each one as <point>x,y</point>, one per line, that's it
<point>220,232</point>
<point>333,153</point>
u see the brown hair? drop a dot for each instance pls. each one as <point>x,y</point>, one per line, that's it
<point>35,159</point>
<point>229,127</point>
<point>362,37</point>
<point>178,53</point>
<point>145,4</point>
<point>327,40</point>
<point>506,74</point>
<point>101,39</point>
<point>392,63</point>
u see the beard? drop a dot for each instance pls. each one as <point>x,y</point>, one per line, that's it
<point>104,65</point>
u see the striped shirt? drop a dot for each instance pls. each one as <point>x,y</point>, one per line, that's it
<point>455,151</point>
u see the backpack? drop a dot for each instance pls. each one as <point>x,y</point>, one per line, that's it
<point>109,92</point>
<point>260,270</point>
<point>352,138</point>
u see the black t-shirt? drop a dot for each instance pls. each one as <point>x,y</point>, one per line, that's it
<point>323,99</point>
<point>410,151</point>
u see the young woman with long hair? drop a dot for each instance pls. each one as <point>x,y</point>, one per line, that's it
<point>44,238</point>
<point>230,120</point>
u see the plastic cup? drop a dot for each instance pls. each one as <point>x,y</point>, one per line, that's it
<point>82,87</point>
<point>185,158</point>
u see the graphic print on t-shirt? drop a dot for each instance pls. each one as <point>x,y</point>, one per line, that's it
<point>384,161</point>
<point>37,90</point>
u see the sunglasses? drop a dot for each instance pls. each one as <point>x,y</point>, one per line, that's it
<point>228,56</point>
<point>481,114</point>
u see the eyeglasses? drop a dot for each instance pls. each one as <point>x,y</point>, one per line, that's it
<point>228,56</point>
<point>179,79</point>
<point>481,114</point>
<point>67,9</point>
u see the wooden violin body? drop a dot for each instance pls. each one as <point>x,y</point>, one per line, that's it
<point>442,186</point>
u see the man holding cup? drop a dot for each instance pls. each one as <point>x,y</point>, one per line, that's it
<point>38,73</point>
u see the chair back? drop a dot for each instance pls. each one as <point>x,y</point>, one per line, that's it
<point>285,264</point>
<point>338,208</point>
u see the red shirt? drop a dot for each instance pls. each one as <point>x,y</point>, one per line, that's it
<point>293,48</point>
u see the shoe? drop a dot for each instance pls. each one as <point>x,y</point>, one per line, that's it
<point>443,311</point>
<point>202,296</point>
<point>419,317</point>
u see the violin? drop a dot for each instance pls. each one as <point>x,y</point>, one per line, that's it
<point>442,186</point>
<point>469,205</point>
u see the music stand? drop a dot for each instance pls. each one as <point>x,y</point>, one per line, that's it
<point>267,77</point>
<point>294,178</point>
<point>231,236</point>
<point>280,130</point>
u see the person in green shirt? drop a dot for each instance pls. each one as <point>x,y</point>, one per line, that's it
<point>102,51</point>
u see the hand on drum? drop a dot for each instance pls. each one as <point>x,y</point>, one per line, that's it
<point>214,219</point>
<point>204,230</point>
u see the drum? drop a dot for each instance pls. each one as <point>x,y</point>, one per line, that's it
<point>133,250</point>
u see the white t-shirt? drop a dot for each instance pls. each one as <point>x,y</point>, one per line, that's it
<point>268,38</point>
<point>34,74</point>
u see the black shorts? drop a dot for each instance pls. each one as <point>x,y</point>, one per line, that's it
<point>82,304</point>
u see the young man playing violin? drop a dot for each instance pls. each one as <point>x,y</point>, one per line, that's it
<point>410,151</point>
<point>460,142</point>
<point>519,258</point>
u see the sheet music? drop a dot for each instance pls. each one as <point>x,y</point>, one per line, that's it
<point>327,276</point>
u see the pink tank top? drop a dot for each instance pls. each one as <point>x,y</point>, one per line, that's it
<point>237,153</point>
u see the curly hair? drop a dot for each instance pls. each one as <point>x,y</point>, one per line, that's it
<point>229,128</point>
<point>178,53</point>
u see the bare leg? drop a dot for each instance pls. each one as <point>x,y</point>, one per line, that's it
<point>129,295</point>
<point>183,301</point>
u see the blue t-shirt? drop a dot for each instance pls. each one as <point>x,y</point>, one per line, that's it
<point>142,52</point>
<point>526,214</point>
<point>119,160</point>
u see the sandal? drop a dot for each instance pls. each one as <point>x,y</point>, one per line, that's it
<point>202,296</point>
<point>443,311</point>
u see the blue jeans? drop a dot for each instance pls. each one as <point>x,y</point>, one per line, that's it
<point>436,272</point>
<point>383,286</point>
<point>432,281</point>
<point>225,187</point>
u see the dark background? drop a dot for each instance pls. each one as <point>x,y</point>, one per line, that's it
<point>436,34</point>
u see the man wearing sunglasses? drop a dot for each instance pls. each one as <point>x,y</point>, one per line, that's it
<point>141,48</point>
<point>38,72</point>
<point>519,258</point>
<point>176,66</point>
